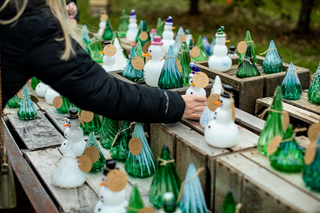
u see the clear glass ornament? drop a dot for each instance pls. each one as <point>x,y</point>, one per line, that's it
<point>34,82</point>
<point>108,32</point>
<point>95,49</point>
<point>272,62</point>
<point>203,56</point>
<point>291,87</point>
<point>27,110</point>
<point>130,72</point>
<point>120,148</point>
<point>64,109</point>
<point>14,102</point>
<point>247,68</point>
<point>314,89</point>
<point>109,130</point>
<point>124,23</point>
<point>251,44</point>
<point>135,202</point>
<point>184,59</point>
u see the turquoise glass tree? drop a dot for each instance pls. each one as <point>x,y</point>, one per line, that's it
<point>213,43</point>
<point>64,109</point>
<point>314,89</point>
<point>129,71</point>
<point>250,43</point>
<point>139,51</point>
<point>206,44</point>
<point>184,58</point>
<point>272,62</point>
<point>176,46</point>
<point>273,125</point>
<point>27,110</point>
<point>229,204</point>
<point>99,164</point>
<point>86,39</point>
<point>166,179</point>
<point>289,156</point>
<point>247,68</point>
<point>135,202</point>
<point>159,27</point>
<point>291,86</point>
<point>109,130</point>
<point>34,82</point>
<point>14,102</point>
<point>192,199</point>
<point>93,126</point>
<point>143,29</point>
<point>203,56</point>
<point>120,150</point>
<point>143,164</point>
<point>170,77</point>
<point>124,23</point>
<point>107,35</point>
<point>95,49</point>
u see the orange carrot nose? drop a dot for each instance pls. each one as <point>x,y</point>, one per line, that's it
<point>146,55</point>
<point>67,124</point>
<point>217,103</point>
<point>173,28</point>
<point>101,52</point>
<point>227,41</point>
<point>102,184</point>
<point>192,85</point>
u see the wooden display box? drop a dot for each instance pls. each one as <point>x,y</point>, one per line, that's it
<point>97,6</point>
<point>247,90</point>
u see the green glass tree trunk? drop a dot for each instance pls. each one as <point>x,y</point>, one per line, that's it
<point>203,56</point>
<point>314,89</point>
<point>64,109</point>
<point>250,43</point>
<point>14,102</point>
<point>93,126</point>
<point>288,157</point>
<point>184,58</point>
<point>129,71</point>
<point>108,132</point>
<point>120,150</point>
<point>170,77</point>
<point>291,86</point>
<point>229,204</point>
<point>273,125</point>
<point>107,35</point>
<point>142,165</point>
<point>26,111</point>
<point>143,27</point>
<point>247,68</point>
<point>124,23</point>
<point>135,203</point>
<point>99,164</point>
<point>139,51</point>
<point>96,47</point>
<point>166,179</point>
<point>272,62</point>
<point>159,27</point>
<point>34,82</point>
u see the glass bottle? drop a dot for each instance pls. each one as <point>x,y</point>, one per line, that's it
<point>273,125</point>
<point>291,86</point>
<point>143,27</point>
<point>96,47</point>
<point>14,102</point>
<point>130,72</point>
<point>184,58</point>
<point>314,89</point>
<point>206,44</point>
<point>229,204</point>
<point>124,23</point>
<point>108,132</point>
<point>142,165</point>
<point>34,82</point>
<point>64,109</point>
<point>99,164</point>
<point>135,203</point>
<point>120,148</point>
<point>251,44</point>
<point>93,126</point>
<point>247,68</point>
<point>107,35</point>
<point>27,110</point>
<point>166,179</point>
<point>170,77</point>
<point>272,62</point>
<point>159,27</point>
<point>203,56</point>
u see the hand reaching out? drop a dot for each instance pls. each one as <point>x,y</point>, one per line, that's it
<point>194,103</point>
<point>72,9</point>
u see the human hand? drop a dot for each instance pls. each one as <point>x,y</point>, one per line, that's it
<point>194,104</point>
<point>72,9</point>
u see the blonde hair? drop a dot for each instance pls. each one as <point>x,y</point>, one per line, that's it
<point>58,9</point>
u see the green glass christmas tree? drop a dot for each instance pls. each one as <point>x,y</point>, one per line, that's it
<point>119,150</point>
<point>143,33</point>
<point>314,89</point>
<point>93,126</point>
<point>99,164</point>
<point>229,204</point>
<point>288,157</point>
<point>191,45</point>
<point>26,111</point>
<point>170,77</point>
<point>143,164</point>
<point>107,35</point>
<point>251,44</point>
<point>108,132</point>
<point>159,27</point>
<point>184,58</point>
<point>129,71</point>
<point>203,56</point>
<point>135,203</point>
<point>124,23</point>
<point>247,68</point>
<point>311,173</point>
<point>291,86</point>
<point>139,51</point>
<point>165,180</point>
<point>64,109</point>
<point>34,82</point>
<point>273,125</point>
<point>96,47</point>
<point>14,102</point>
<point>272,62</point>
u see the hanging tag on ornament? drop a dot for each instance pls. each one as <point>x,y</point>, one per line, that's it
<point>93,153</point>
<point>242,47</point>
<point>104,17</point>
<point>135,146</point>
<point>146,47</point>
<point>313,132</point>
<point>84,163</point>
<point>116,180</point>
<point>182,38</point>
<point>146,210</point>
<point>57,102</point>
<point>285,119</point>
<point>195,52</point>
<point>310,154</point>
<point>273,145</point>
<point>34,99</point>
<point>19,94</point>
<point>178,64</point>
<point>233,110</point>
<point>73,21</point>
<point>109,50</point>
<point>211,100</point>
<point>200,79</point>
<point>86,116</point>
<point>137,63</point>
<point>143,36</point>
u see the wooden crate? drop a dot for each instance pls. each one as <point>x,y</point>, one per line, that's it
<point>247,90</point>
<point>97,6</point>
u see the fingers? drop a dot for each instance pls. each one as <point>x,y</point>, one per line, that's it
<point>199,98</point>
<point>72,9</point>
<point>195,116</point>
<point>199,109</point>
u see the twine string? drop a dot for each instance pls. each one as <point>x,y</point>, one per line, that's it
<point>115,138</point>
<point>189,180</point>
<point>268,51</point>
<point>165,162</point>
<point>272,110</point>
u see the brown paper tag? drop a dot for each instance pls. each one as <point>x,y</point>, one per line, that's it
<point>242,47</point>
<point>93,153</point>
<point>135,146</point>
<point>73,21</point>
<point>285,119</point>
<point>116,180</point>
<point>313,132</point>
<point>84,163</point>
<point>146,210</point>
<point>143,36</point>
<point>273,145</point>
<point>137,63</point>
<point>19,94</point>
<point>34,99</point>
<point>86,116</point>
<point>178,64</point>
<point>310,153</point>
<point>195,52</point>
<point>233,110</point>
<point>57,102</point>
<point>182,38</point>
<point>200,79</point>
<point>103,17</point>
<point>109,50</point>
<point>146,46</point>
<point>210,102</point>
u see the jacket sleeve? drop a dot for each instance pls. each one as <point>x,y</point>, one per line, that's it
<point>87,85</point>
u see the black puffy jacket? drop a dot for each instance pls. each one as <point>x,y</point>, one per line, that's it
<point>29,48</point>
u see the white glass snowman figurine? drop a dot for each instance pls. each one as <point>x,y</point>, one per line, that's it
<point>110,201</point>
<point>220,61</point>
<point>41,89</point>
<point>194,90</point>
<point>133,27</point>
<point>74,134</point>
<point>222,132</point>
<point>109,62</point>
<point>153,67</point>
<point>169,204</point>
<point>50,95</point>
<point>102,25</point>
<point>167,35</point>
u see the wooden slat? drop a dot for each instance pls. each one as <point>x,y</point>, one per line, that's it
<point>249,121</point>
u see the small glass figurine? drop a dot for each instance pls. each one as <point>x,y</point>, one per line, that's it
<point>120,148</point>
<point>251,44</point>
<point>229,204</point>
<point>64,109</point>
<point>206,44</point>
<point>203,56</point>
<point>184,58</point>
<point>272,62</point>
<point>14,102</point>
<point>135,202</point>
<point>93,126</point>
<point>159,27</point>
<point>108,34</point>
<point>143,34</point>
<point>190,44</point>
<point>314,89</point>
<point>291,87</point>
<point>108,132</point>
<point>124,23</point>
<point>167,34</point>
<point>247,68</point>
<point>98,165</point>
<point>26,111</point>
<point>34,82</point>
<point>95,49</point>
<point>133,27</point>
<point>130,72</point>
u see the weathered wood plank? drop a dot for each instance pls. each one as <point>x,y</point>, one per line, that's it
<point>249,121</point>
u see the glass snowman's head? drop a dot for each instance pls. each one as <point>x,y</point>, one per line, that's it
<point>156,49</point>
<point>168,24</point>
<point>220,36</point>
